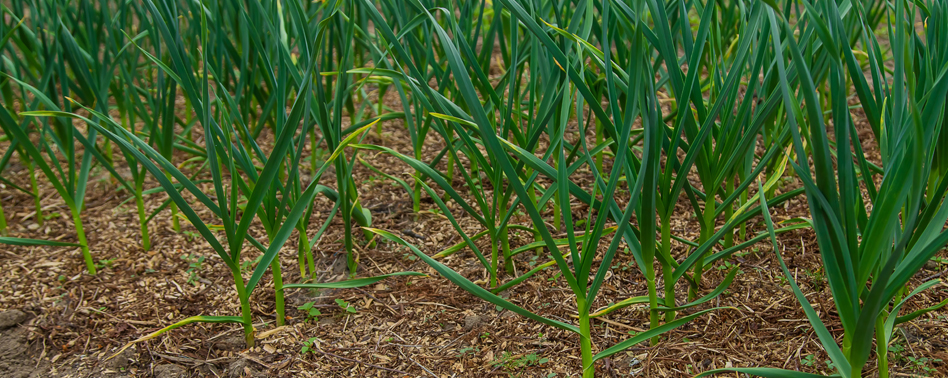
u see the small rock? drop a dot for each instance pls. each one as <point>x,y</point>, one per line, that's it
<point>471,322</point>
<point>242,368</point>
<point>932,265</point>
<point>170,371</point>
<point>122,361</point>
<point>11,318</point>
<point>232,343</point>
<point>340,265</point>
<point>236,368</point>
<point>33,226</point>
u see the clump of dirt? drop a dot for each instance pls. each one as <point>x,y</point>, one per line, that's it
<point>234,343</point>
<point>16,359</point>
<point>472,322</point>
<point>121,362</point>
<point>242,368</point>
<point>170,371</point>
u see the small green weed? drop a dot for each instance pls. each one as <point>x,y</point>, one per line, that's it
<point>105,263</point>
<point>346,306</point>
<point>308,346</point>
<point>512,363</point>
<point>195,264</point>
<point>312,313</point>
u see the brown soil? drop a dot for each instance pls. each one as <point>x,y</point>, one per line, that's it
<point>403,326</point>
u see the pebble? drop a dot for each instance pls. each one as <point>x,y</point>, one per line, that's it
<point>170,371</point>
<point>11,318</point>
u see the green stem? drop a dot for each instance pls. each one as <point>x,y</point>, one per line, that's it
<point>81,235</point>
<point>3,222</point>
<point>308,255</point>
<point>707,228</point>
<point>300,256</point>
<point>653,314</point>
<point>847,346</point>
<point>532,194</point>
<point>109,156</point>
<point>699,269</point>
<point>449,173</point>
<point>175,224</point>
<point>347,237</point>
<point>350,253</point>
<point>743,232</point>
<point>505,246</point>
<point>278,288</point>
<point>142,219</point>
<point>882,348</point>
<point>505,241</point>
<point>556,214</point>
<point>668,271</point>
<point>585,342</point>
<point>416,200</point>
<point>36,194</point>
<point>728,211</point>
<point>312,153</point>
<point>188,116</point>
<point>856,371</point>
<point>493,260</point>
<point>244,307</point>
<point>343,180</point>
<point>557,218</point>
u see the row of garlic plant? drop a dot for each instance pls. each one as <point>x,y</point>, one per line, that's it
<point>240,65</point>
<point>871,246</point>
<point>194,57</point>
<point>719,144</point>
<point>479,121</point>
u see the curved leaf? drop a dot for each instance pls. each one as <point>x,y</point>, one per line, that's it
<point>25,241</point>
<point>348,284</point>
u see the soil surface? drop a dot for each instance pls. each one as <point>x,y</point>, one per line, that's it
<point>61,322</point>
